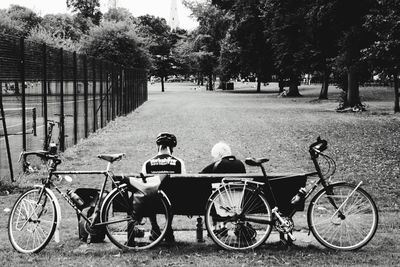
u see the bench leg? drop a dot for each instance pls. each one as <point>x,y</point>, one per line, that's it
<point>199,230</point>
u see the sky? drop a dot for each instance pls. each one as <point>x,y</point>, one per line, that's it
<point>159,8</point>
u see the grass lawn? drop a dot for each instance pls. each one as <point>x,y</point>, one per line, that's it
<point>364,145</point>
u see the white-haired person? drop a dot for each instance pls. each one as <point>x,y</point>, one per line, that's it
<point>224,161</point>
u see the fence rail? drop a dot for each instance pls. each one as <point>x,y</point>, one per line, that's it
<point>81,93</point>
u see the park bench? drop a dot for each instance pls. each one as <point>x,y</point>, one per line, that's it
<point>189,193</point>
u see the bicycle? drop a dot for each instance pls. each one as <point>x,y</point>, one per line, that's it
<point>48,145</point>
<point>50,128</point>
<point>341,216</point>
<point>36,215</point>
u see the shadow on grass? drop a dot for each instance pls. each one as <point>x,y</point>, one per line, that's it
<point>247,91</point>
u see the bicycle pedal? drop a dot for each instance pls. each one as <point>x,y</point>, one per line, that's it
<point>290,235</point>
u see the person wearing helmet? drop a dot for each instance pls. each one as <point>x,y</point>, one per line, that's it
<point>163,163</point>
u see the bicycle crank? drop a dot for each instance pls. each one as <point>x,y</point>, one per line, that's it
<point>285,226</point>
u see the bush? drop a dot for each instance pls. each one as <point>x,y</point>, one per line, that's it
<point>117,42</point>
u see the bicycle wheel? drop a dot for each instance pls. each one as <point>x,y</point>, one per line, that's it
<point>32,221</point>
<point>348,226</point>
<point>237,217</point>
<point>128,231</point>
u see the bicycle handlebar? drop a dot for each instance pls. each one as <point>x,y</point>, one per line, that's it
<point>41,154</point>
<point>319,146</point>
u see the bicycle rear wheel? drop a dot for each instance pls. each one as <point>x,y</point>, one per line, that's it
<point>128,231</point>
<point>32,221</point>
<point>349,226</point>
<point>238,217</point>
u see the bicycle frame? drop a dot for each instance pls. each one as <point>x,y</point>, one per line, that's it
<point>48,184</point>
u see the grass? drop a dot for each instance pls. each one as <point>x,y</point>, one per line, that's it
<point>364,145</point>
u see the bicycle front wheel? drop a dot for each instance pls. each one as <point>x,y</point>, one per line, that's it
<point>238,217</point>
<point>126,229</point>
<point>342,217</point>
<point>32,221</point>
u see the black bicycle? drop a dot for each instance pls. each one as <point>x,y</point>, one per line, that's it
<point>35,216</point>
<point>341,216</point>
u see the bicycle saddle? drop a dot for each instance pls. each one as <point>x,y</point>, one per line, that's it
<point>255,162</point>
<point>111,157</point>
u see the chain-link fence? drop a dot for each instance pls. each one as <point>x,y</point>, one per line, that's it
<point>41,85</point>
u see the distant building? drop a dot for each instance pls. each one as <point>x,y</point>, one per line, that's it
<point>173,16</point>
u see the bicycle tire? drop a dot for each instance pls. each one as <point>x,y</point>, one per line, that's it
<point>245,218</point>
<point>350,231</point>
<point>32,233</point>
<point>129,232</point>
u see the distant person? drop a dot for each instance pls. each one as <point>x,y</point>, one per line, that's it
<point>224,161</point>
<point>163,163</point>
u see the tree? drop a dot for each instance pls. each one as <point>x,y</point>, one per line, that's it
<point>247,31</point>
<point>324,32</point>
<point>117,42</point>
<point>230,57</point>
<point>87,9</point>
<point>10,26</point>
<point>42,35</point>
<point>384,52</point>
<point>354,37</point>
<point>213,25</point>
<point>157,35</point>
<point>61,26</point>
<point>19,18</point>
<point>118,14</point>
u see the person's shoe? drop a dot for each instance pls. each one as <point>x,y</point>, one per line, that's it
<point>136,233</point>
<point>221,232</point>
<point>155,233</point>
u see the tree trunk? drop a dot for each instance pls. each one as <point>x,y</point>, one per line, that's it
<point>210,81</point>
<point>293,87</point>
<point>396,92</point>
<point>258,86</point>
<point>162,83</point>
<point>325,84</point>
<point>353,95</point>
<point>281,85</point>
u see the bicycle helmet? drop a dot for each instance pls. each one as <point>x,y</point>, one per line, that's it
<point>166,139</point>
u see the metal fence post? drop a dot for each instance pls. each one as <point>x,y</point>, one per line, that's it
<point>62,124</point>
<point>44,91</point>
<point>114,90</point>
<point>23,100</point>
<point>94,93</point>
<point>108,76</point>
<point>85,89</point>
<point>75,88</point>
<point>101,94</point>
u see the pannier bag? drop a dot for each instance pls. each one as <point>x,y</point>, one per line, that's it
<point>143,192</point>
<point>87,233</point>
<point>139,192</point>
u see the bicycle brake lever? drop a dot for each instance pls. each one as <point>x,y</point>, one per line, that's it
<point>143,178</point>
